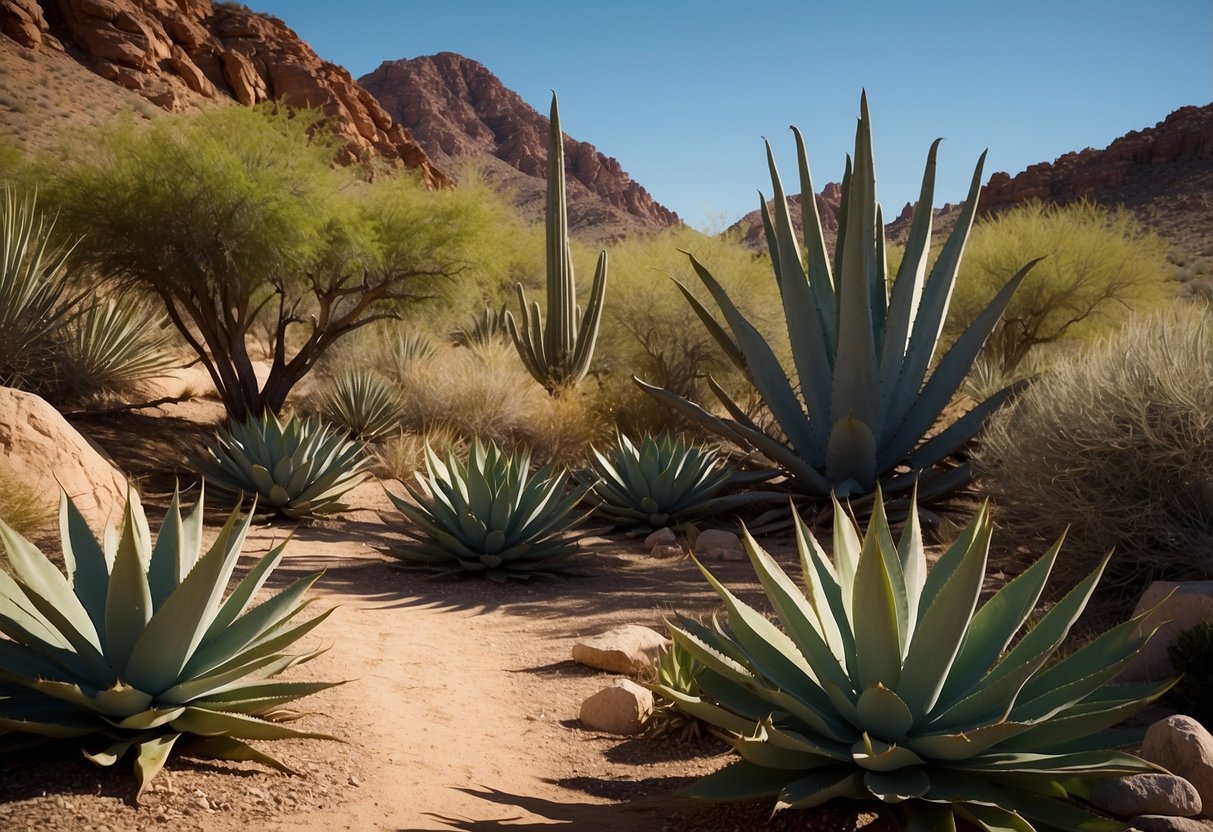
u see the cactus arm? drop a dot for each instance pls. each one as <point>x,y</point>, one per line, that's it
<point>587,331</point>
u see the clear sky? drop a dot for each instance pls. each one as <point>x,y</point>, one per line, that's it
<point>681,93</point>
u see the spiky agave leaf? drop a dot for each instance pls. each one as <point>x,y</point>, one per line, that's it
<point>862,398</point>
<point>363,404</point>
<point>298,470</point>
<point>558,353</point>
<point>136,644</point>
<point>489,514</point>
<point>882,681</point>
<point>662,480</point>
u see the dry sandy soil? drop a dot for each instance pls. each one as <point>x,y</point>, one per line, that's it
<point>460,707</point>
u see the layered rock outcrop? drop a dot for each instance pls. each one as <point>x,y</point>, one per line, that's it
<point>459,109</point>
<point>175,52</point>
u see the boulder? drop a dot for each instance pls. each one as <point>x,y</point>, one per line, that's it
<point>1177,607</point>
<point>1183,747</point>
<point>715,544</point>
<point>1168,823</point>
<point>44,452</point>
<point>622,708</point>
<point>628,649</point>
<point>1146,794</point>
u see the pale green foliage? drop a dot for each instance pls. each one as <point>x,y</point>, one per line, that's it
<point>136,644</point>
<point>1099,266</point>
<point>866,388</point>
<point>488,515</point>
<point>110,345</point>
<point>649,329</point>
<point>659,481</point>
<point>298,470</point>
<point>238,221</point>
<point>484,329</point>
<point>363,404</point>
<point>1117,445</point>
<point>882,681</point>
<point>558,352</point>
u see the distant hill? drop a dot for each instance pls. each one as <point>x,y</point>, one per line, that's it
<point>461,112</point>
<point>1163,174</point>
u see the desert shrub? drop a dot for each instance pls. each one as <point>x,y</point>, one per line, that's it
<point>21,506</point>
<point>1191,655</point>
<point>403,455</point>
<point>1099,266</point>
<point>1118,447</point>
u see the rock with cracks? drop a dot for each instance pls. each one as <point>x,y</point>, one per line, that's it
<point>622,708</point>
<point>628,649</point>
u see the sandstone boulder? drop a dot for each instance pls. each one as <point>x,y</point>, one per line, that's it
<point>661,537</point>
<point>1183,747</point>
<point>628,649</point>
<point>1168,823</point>
<point>44,452</point>
<point>622,708</point>
<point>1146,794</point>
<point>1177,607</point>
<point>715,544</point>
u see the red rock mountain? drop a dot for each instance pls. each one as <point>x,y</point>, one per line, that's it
<point>460,111</point>
<point>1164,174</point>
<point>175,53</point>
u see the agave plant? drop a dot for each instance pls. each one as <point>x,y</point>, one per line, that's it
<point>883,682</point>
<point>486,328</point>
<point>298,471</point>
<point>558,353</point>
<point>363,404</point>
<point>662,480</point>
<point>135,648</point>
<point>677,669</point>
<point>489,515</point>
<point>863,398</point>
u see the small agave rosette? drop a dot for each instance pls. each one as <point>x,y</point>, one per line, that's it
<point>297,470</point>
<point>883,681</point>
<point>139,645</point>
<point>489,515</point>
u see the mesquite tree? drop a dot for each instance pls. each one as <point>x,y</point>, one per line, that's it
<point>240,224</point>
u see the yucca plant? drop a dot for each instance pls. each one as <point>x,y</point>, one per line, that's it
<point>558,353</point>
<point>885,682</point>
<point>136,650</point>
<point>863,396</point>
<point>486,328</point>
<point>111,345</point>
<point>363,404</point>
<point>33,302</point>
<point>298,470</point>
<point>662,480</point>
<point>490,515</point>
<point>410,349</point>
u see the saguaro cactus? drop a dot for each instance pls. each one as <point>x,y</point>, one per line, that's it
<point>558,352</point>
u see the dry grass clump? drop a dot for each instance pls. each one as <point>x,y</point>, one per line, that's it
<point>1117,446</point>
<point>21,507</point>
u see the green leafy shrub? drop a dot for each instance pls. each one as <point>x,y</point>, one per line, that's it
<point>1191,655</point>
<point>488,515</point>
<point>363,404</point>
<point>298,470</point>
<point>883,682</point>
<point>663,480</point>
<point>864,393</point>
<point>136,650</point>
<point>1116,445</point>
<point>1099,267</point>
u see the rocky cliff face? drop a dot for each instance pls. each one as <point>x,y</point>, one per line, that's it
<point>175,52</point>
<point>459,110</point>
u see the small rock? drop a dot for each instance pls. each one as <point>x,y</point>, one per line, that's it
<point>668,551</point>
<point>1177,607</point>
<point>1167,823</point>
<point>627,649</point>
<point>1146,794</point>
<point>715,544</point>
<point>1183,747</point>
<point>622,708</point>
<point>661,537</point>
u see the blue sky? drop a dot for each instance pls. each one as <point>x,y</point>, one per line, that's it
<point>683,92</point>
